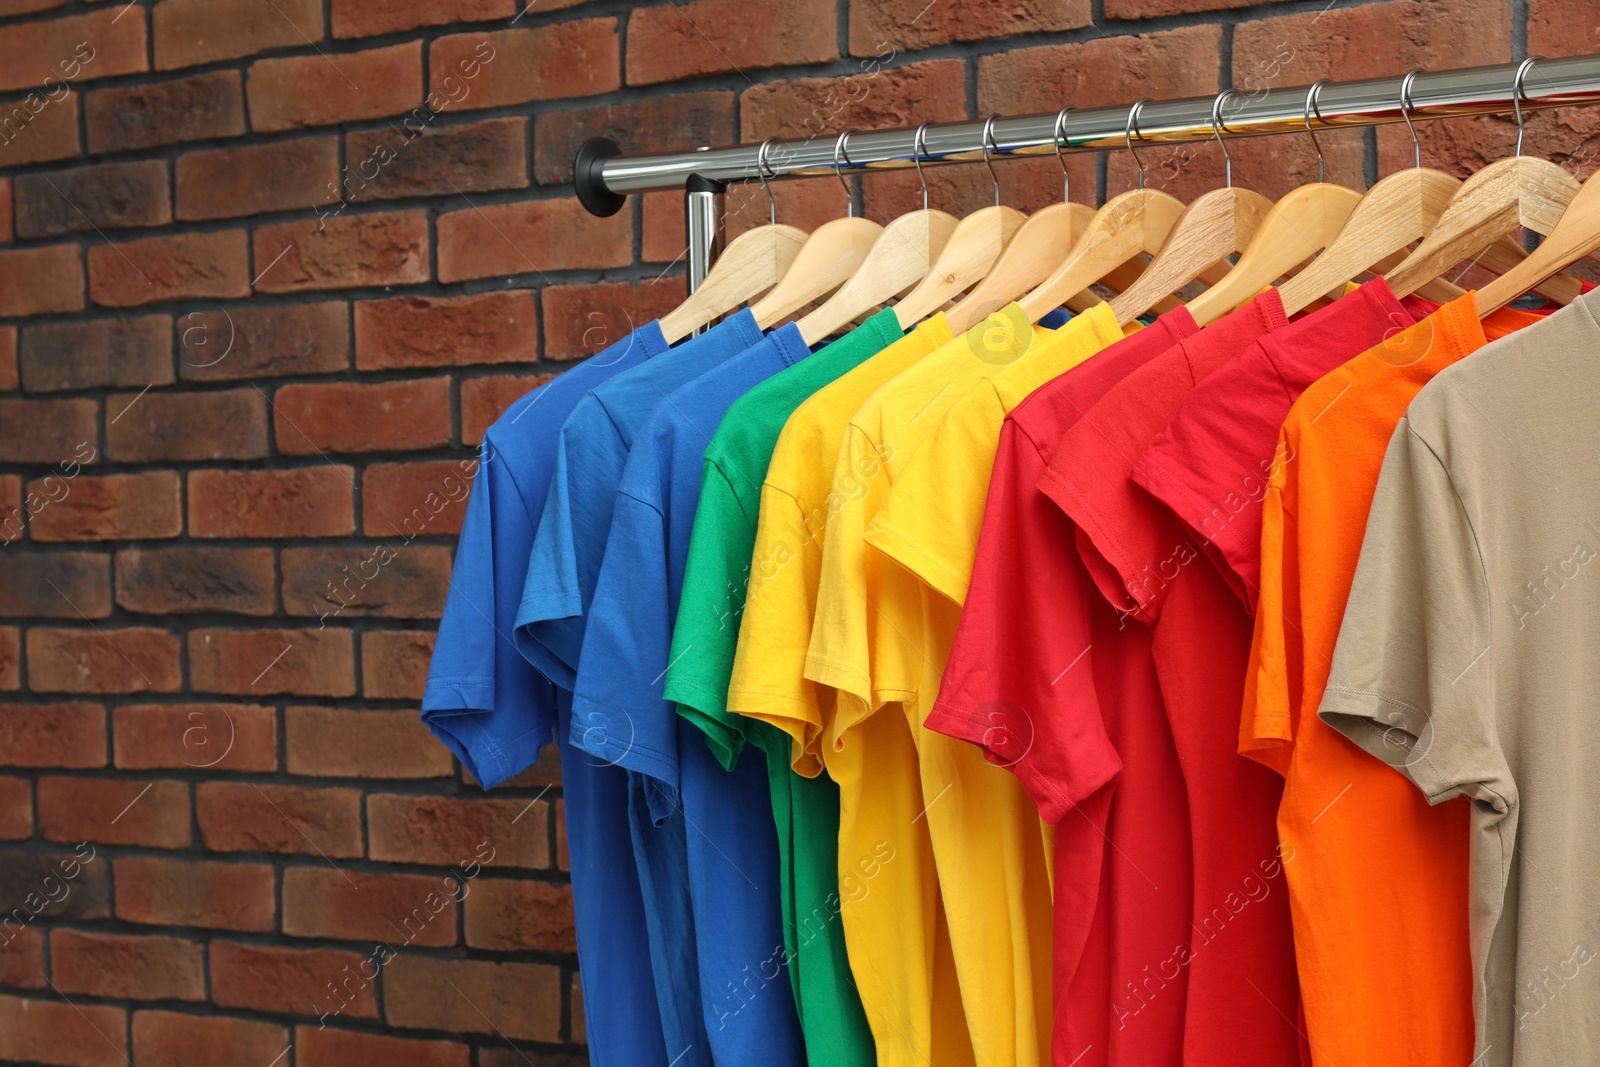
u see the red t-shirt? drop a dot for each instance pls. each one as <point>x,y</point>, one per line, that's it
<point>1237,948</point>
<point>1025,692</point>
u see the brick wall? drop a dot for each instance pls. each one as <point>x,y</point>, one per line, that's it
<point>267,270</point>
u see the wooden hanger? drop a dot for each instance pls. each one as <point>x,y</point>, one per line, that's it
<point>1574,236</point>
<point>827,259</point>
<point>978,241</point>
<point>1217,225</point>
<point>752,263</point>
<point>901,256</point>
<point>1035,249</point>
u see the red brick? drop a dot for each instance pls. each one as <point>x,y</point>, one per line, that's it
<point>580,320</point>
<point>16,824</point>
<point>270,342</point>
<point>190,32</point>
<point>483,400</point>
<point>308,502</point>
<point>410,500</point>
<point>127,967</point>
<point>11,512</point>
<point>329,1047</point>
<point>420,159</point>
<point>342,252</point>
<point>38,129</point>
<point>1562,28</point>
<point>368,18</point>
<point>516,66</point>
<point>340,743</point>
<point>116,507</point>
<point>22,958</point>
<point>23,7</point>
<point>8,342</point>
<point>445,830</point>
<point>281,176</point>
<point>46,431</point>
<point>362,416</point>
<point>530,237</point>
<point>287,980</point>
<point>158,113</point>
<point>383,580</point>
<point>167,1039</point>
<point>53,735</point>
<point>500,327</point>
<point>131,350</point>
<point>239,817</point>
<point>146,427</point>
<point>394,663</point>
<point>10,658</point>
<point>57,884</point>
<point>180,266</point>
<point>37,281</point>
<point>92,199</point>
<point>222,896</point>
<point>321,90</point>
<point>878,28</point>
<point>661,233</point>
<point>812,107</point>
<point>507,916</point>
<point>395,909</point>
<point>53,1031</point>
<point>1140,9</point>
<point>114,811</point>
<point>579,1029</point>
<point>261,662</point>
<point>462,996</point>
<point>210,737</point>
<point>667,43</point>
<point>654,124</point>
<point>183,581</point>
<point>125,660</point>
<point>56,585</point>
<point>53,52</point>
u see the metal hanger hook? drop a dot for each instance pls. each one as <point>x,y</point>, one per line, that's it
<point>761,172</point>
<point>1216,130</point>
<point>1128,132</point>
<point>1518,94</point>
<point>1312,109</point>
<point>1066,180</point>
<point>1405,113</point>
<point>987,144</point>
<point>839,152</point>
<point>919,148</point>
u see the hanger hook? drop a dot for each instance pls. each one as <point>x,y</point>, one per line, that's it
<point>1405,113</point>
<point>1312,109</point>
<point>1066,181</point>
<point>919,148</point>
<point>1216,130</point>
<point>761,172</point>
<point>839,152</point>
<point>1518,94</point>
<point>1132,128</point>
<point>988,143</point>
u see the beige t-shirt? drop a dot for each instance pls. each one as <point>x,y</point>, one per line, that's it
<point>1469,660</point>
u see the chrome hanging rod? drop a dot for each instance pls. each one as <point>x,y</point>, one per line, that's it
<point>604,176</point>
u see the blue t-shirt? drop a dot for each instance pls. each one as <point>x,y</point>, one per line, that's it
<point>590,454</point>
<point>495,712</point>
<point>724,818</point>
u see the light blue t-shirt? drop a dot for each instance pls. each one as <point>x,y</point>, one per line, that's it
<point>495,711</point>
<point>728,857</point>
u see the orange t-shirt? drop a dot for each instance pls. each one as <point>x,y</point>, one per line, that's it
<point>1378,882</point>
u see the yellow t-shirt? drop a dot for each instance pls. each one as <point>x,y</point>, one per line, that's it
<point>868,643</point>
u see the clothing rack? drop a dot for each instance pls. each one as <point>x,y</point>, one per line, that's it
<point>604,176</point>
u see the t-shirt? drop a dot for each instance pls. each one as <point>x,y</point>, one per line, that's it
<point>1466,661</point>
<point>1365,842</point>
<point>805,810</point>
<point>728,861</point>
<point>1146,564</point>
<point>495,712</point>
<point>590,454</point>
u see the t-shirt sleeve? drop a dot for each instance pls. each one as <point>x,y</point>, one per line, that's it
<point>707,628</point>
<point>618,713</point>
<point>1412,679</point>
<point>1274,681</point>
<point>1019,680</point>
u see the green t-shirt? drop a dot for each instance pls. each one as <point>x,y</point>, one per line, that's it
<point>704,639</point>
